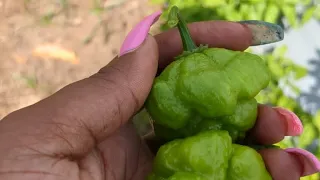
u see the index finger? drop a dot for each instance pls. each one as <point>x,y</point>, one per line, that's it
<point>236,36</point>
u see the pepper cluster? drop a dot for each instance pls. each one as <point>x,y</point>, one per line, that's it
<point>202,104</point>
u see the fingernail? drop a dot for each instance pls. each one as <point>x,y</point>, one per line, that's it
<point>138,34</point>
<point>263,32</point>
<point>294,125</point>
<point>310,162</point>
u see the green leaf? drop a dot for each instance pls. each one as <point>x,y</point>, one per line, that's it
<point>272,13</point>
<point>229,12</point>
<point>244,9</point>
<point>294,88</point>
<point>286,102</point>
<point>234,16</point>
<point>213,3</point>
<point>290,13</point>
<point>290,2</point>
<point>307,136</point>
<point>307,15</point>
<point>260,8</point>
<point>311,177</point>
<point>316,119</point>
<point>300,72</point>
<point>252,13</point>
<point>254,1</point>
<point>280,51</point>
<point>262,98</point>
<point>285,143</point>
<point>275,67</point>
<point>306,2</point>
<point>317,12</point>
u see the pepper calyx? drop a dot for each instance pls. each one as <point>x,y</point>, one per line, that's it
<point>196,50</point>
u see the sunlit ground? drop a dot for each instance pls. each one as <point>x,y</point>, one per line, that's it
<point>48,44</point>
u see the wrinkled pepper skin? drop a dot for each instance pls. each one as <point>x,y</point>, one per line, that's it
<point>210,88</point>
<point>209,155</point>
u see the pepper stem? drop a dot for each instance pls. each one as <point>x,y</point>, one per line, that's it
<point>175,19</point>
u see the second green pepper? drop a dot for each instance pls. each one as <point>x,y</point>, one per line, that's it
<point>209,155</point>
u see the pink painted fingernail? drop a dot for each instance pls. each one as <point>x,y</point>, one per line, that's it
<point>294,125</point>
<point>310,162</point>
<point>139,33</point>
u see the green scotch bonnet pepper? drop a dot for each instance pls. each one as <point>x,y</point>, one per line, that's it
<point>206,89</point>
<point>201,104</point>
<point>209,155</point>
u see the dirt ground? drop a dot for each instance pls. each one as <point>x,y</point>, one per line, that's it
<point>43,51</point>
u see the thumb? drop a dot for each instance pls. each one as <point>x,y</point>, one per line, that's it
<point>86,112</point>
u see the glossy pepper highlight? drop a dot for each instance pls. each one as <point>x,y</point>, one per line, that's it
<point>209,155</point>
<point>206,89</point>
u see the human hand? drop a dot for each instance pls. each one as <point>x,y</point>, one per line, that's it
<point>84,130</point>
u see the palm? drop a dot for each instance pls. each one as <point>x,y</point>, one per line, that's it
<point>125,156</point>
<point>122,156</point>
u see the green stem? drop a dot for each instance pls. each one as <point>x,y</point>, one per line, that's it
<point>175,19</point>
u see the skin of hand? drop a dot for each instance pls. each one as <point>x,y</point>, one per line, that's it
<point>84,132</point>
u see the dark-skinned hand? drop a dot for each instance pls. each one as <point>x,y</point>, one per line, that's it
<point>84,131</point>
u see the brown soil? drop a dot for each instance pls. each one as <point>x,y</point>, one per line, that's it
<point>26,78</point>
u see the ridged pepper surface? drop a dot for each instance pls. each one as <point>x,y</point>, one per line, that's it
<point>209,155</point>
<point>211,88</point>
<point>201,105</point>
<point>206,88</point>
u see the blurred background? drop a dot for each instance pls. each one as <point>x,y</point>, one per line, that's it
<point>47,44</point>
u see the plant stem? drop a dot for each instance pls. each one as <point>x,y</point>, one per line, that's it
<point>175,19</point>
